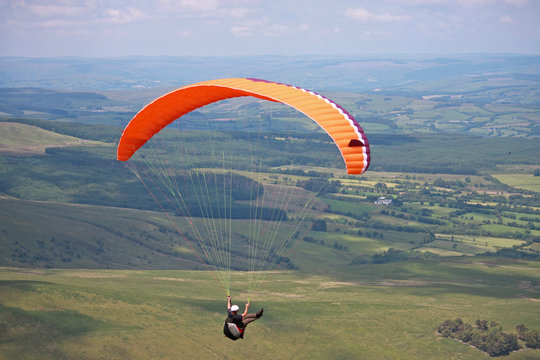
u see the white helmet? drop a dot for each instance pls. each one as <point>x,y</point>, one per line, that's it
<point>234,308</point>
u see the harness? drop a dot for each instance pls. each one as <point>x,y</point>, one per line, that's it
<point>232,331</point>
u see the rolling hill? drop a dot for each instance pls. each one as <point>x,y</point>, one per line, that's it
<point>26,139</point>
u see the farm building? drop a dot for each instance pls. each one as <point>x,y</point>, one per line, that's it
<point>383,201</point>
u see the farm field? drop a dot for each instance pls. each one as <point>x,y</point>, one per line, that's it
<point>520,181</point>
<point>474,108</point>
<point>354,312</point>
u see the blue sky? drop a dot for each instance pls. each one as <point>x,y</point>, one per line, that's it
<point>102,28</point>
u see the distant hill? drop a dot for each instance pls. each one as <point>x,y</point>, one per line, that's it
<point>20,138</point>
<point>325,73</point>
<point>67,106</point>
<point>507,110</point>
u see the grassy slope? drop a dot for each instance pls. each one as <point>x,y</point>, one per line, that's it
<point>368,312</point>
<point>70,235</point>
<point>58,235</point>
<point>27,139</point>
<point>14,133</point>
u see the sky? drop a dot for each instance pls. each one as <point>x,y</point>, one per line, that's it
<point>111,28</point>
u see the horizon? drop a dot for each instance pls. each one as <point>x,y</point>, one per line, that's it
<point>372,56</point>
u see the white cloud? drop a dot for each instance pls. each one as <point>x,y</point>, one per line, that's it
<point>48,24</point>
<point>201,9</point>
<point>507,19</point>
<point>264,27</point>
<point>184,33</point>
<point>424,2</point>
<point>364,15</point>
<point>463,3</point>
<point>241,31</point>
<point>47,11</point>
<point>122,16</point>
<point>474,2</point>
<point>182,5</point>
<point>358,14</point>
<point>276,30</point>
<point>249,27</point>
<point>517,3</point>
<point>198,5</point>
<point>238,13</point>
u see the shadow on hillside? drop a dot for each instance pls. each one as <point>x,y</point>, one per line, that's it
<point>25,285</point>
<point>35,333</point>
<point>432,278</point>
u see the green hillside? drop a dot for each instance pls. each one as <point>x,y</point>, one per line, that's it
<point>16,134</point>
<point>46,234</point>
<point>354,312</point>
<point>19,138</point>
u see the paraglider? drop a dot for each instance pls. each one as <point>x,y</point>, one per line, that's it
<point>338,123</point>
<point>237,217</point>
<point>235,324</point>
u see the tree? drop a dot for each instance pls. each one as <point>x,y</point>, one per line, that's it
<point>382,187</point>
<point>482,324</point>
<point>530,337</point>
<point>319,225</point>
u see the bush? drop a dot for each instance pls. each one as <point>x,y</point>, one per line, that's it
<point>488,338</point>
<point>530,337</point>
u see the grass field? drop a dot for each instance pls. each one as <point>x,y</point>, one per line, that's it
<point>520,181</point>
<point>454,245</point>
<point>36,140</point>
<point>366,312</point>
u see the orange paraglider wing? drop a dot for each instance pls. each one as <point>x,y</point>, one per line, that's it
<point>338,123</point>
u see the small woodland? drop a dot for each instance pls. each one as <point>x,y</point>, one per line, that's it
<point>489,337</point>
